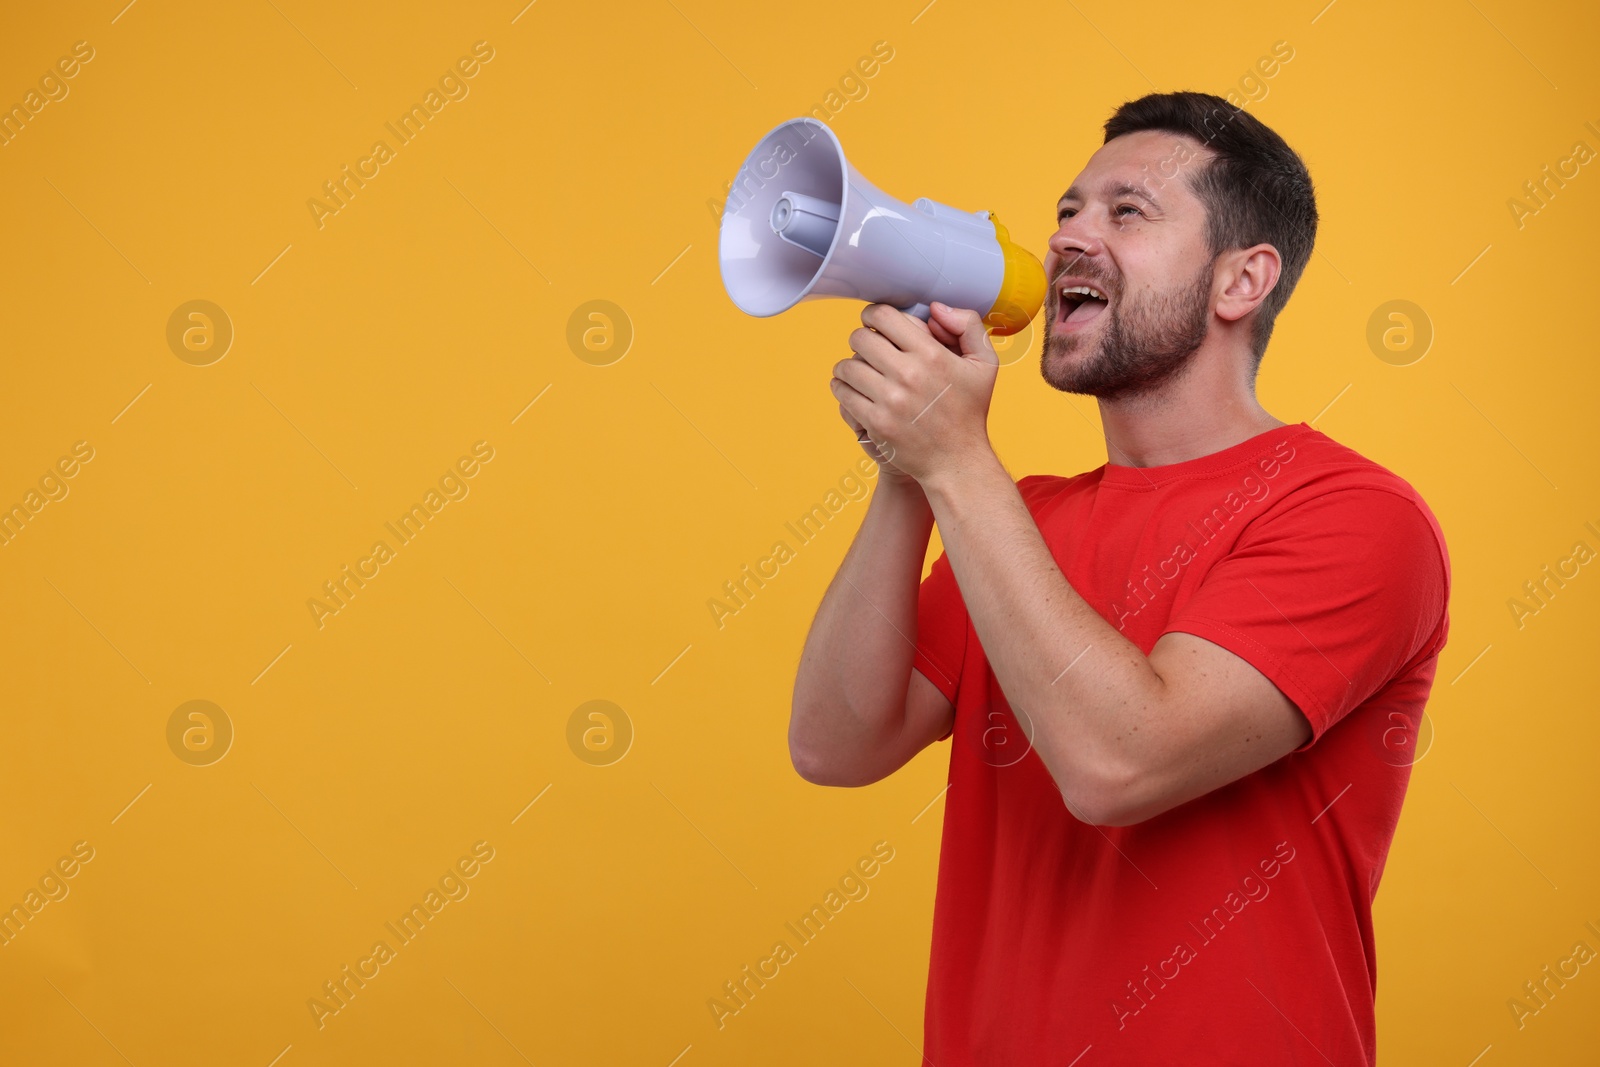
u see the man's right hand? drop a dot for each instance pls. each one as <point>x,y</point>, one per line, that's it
<point>883,457</point>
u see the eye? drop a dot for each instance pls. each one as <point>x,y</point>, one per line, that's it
<point>1117,212</point>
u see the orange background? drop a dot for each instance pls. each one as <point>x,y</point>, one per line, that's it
<point>371,753</point>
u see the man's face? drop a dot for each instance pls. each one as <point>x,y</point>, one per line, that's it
<point>1131,229</point>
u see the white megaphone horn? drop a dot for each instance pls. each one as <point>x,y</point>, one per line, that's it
<point>800,223</point>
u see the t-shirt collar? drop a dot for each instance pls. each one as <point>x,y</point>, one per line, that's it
<point>1201,466</point>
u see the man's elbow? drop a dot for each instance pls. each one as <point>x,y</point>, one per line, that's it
<point>1124,806</point>
<point>817,757</point>
<point>1109,799</point>
<point>1124,816</point>
<point>803,756</point>
<point>1096,811</point>
<point>821,771</point>
<point>807,765</point>
<point>813,762</point>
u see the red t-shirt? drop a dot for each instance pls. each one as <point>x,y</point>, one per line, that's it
<point>1237,927</point>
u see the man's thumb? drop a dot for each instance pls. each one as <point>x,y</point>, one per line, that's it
<point>967,325</point>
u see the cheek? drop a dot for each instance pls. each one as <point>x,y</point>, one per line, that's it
<point>1165,269</point>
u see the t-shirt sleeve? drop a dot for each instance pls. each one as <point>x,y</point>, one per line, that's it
<point>941,628</point>
<point>1329,599</point>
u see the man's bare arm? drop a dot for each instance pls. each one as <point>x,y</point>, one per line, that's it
<point>860,711</point>
<point>1125,736</point>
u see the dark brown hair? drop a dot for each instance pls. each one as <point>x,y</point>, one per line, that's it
<point>1255,189</point>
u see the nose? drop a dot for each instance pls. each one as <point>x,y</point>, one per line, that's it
<point>1074,239</point>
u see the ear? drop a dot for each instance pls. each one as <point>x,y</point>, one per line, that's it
<point>1247,276</point>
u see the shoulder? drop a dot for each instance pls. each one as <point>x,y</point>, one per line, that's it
<point>1331,491</point>
<point>1316,467</point>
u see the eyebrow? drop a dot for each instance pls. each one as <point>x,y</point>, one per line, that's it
<point>1113,191</point>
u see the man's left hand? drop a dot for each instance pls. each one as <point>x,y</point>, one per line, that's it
<point>921,390</point>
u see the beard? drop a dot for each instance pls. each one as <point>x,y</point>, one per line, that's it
<point>1141,346</point>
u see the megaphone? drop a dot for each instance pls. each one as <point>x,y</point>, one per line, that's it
<point>800,223</point>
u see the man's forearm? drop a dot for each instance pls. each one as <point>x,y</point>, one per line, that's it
<point>850,688</point>
<point>1085,687</point>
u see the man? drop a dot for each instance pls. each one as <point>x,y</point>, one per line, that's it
<point>1183,690</point>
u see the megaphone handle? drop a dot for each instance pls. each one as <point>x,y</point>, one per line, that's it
<point>921,311</point>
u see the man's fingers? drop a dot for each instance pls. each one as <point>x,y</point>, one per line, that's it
<point>862,436</point>
<point>972,338</point>
<point>895,325</point>
<point>952,341</point>
<point>847,394</point>
<point>876,350</point>
<point>852,422</point>
<point>857,373</point>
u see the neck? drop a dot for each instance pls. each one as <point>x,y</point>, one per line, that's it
<point>1208,407</point>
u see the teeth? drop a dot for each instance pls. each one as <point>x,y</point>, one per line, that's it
<point>1084,290</point>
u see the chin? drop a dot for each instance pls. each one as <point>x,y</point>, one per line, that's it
<point>1070,351</point>
<point>1064,370</point>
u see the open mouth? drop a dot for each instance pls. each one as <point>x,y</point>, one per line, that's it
<point>1077,305</point>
